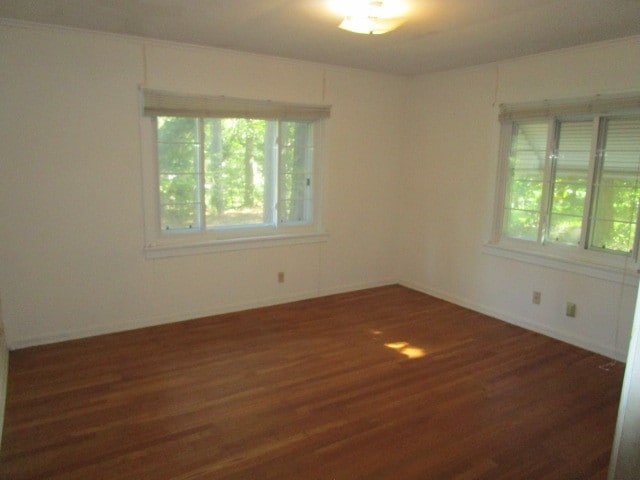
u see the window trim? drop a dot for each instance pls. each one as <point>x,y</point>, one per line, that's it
<point>204,246</point>
<point>581,259</point>
<point>618,269</point>
<point>159,244</point>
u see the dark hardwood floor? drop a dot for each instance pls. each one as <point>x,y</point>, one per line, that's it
<point>385,383</point>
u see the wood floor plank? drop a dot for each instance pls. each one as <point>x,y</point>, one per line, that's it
<point>384,383</point>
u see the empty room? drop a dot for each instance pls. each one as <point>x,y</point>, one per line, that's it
<point>313,239</point>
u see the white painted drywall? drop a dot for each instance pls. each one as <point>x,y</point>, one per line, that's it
<point>71,195</point>
<point>409,173</point>
<point>448,193</point>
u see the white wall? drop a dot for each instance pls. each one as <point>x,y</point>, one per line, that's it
<point>71,195</point>
<point>409,170</point>
<point>449,189</point>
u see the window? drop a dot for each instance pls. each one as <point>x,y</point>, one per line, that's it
<point>570,178</point>
<point>226,171</point>
<point>233,172</point>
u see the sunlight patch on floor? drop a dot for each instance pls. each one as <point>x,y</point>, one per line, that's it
<point>406,349</point>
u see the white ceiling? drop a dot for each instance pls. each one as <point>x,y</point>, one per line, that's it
<point>440,35</point>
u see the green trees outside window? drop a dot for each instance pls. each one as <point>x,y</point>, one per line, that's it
<point>617,185</point>
<point>226,172</point>
<point>579,187</point>
<point>526,171</point>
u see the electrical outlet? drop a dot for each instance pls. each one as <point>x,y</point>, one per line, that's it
<point>571,309</point>
<point>536,298</point>
<point>280,277</point>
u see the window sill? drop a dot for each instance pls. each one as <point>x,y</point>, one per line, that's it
<point>617,269</point>
<point>163,249</point>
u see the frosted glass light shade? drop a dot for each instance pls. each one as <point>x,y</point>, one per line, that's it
<point>370,16</point>
<point>371,25</point>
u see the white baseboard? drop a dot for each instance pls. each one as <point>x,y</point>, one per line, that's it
<point>133,324</point>
<point>184,316</point>
<point>563,336</point>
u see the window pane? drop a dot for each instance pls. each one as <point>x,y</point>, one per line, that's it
<point>524,188</point>
<point>569,194</point>
<point>178,216</point>
<point>177,157</point>
<point>569,189</point>
<point>523,224</point>
<point>296,140</point>
<point>178,152</point>
<point>618,199</point>
<point>565,228</point>
<point>179,189</point>
<point>530,137</point>
<point>617,236</point>
<point>177,145</point>
<point>617,187</point>
<point>526,192</point>
<point>234,185</point>
<point>177,130</point>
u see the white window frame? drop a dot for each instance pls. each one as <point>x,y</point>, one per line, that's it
<point>607,265</point>
<point>159,243</point>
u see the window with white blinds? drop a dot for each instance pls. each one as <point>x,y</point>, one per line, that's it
<point>570,176</point>
<point>229,169</point>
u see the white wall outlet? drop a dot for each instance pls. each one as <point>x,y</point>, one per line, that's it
<point>571,309</point>
<point>536,298</point>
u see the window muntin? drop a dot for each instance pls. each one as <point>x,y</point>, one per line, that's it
<point>556,166</point>
<point>221,173</point>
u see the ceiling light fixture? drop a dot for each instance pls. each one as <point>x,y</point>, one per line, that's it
<point>371,17</point>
